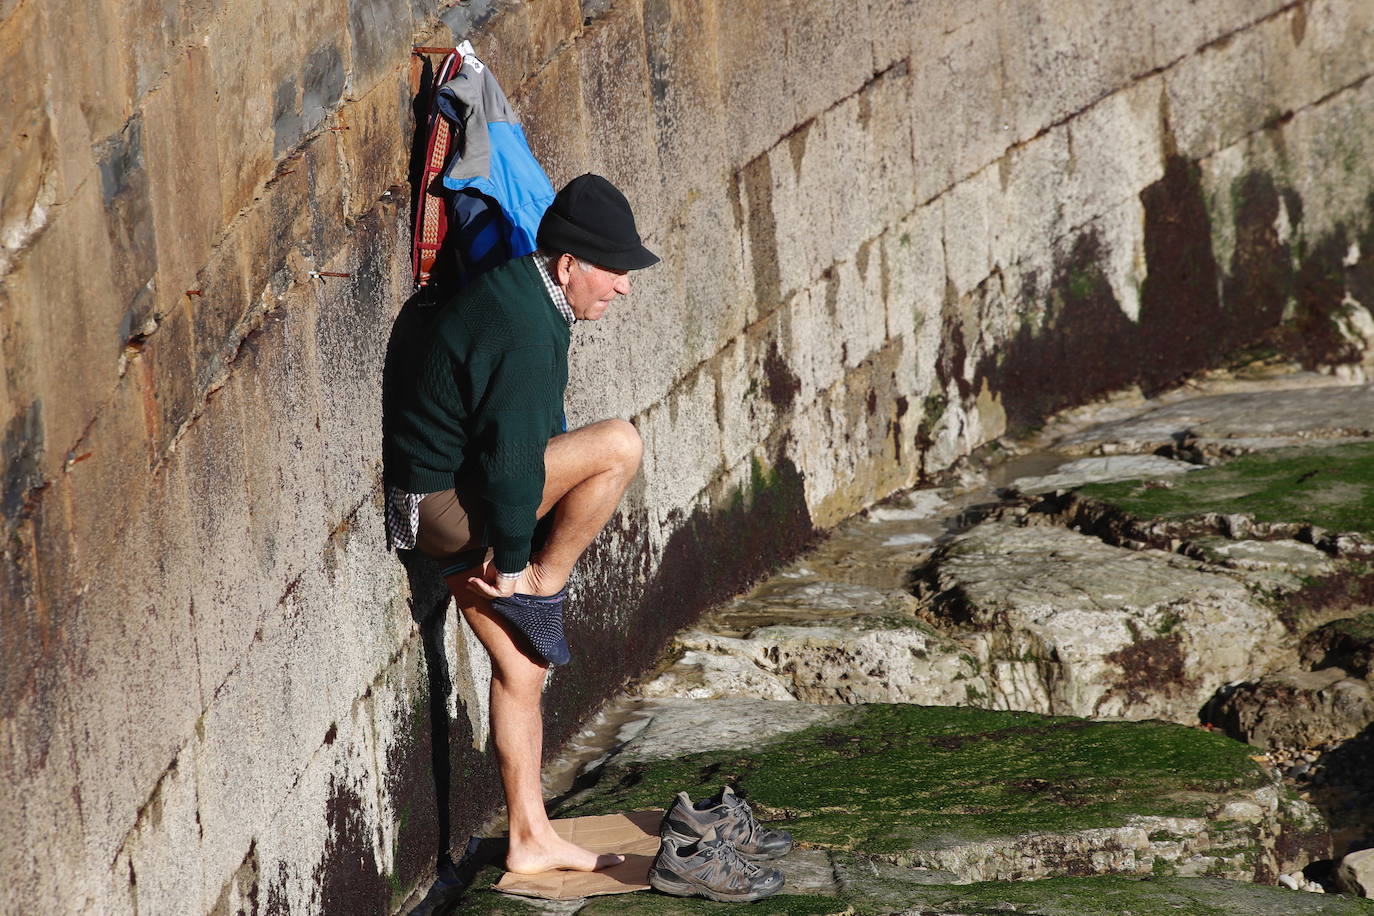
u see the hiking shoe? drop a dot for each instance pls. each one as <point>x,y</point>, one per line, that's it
<point>733,821</point>
<point>709,867</point>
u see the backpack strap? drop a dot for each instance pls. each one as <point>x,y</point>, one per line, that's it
<point>431,218</point>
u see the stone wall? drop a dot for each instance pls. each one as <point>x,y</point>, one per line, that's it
<point>892,230</point>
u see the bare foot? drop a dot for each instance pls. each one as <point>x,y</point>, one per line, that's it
<point>534,856</point>
<point>537,579</point>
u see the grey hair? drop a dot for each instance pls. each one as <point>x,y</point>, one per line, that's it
<point>551,257</point>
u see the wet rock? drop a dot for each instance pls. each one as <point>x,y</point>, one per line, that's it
<point>984,795</point>
<point>1064,623</point>
<point>713,676</point>
<point>863,661</point>
<point>1355,874</point>
<point>785,600</point>
<point>1295,709</point>
<point>1347,643</point>
<point>1102,469</point>
<point>1319,494</point>
<point>1283,554</point>
<point>1236,423</point>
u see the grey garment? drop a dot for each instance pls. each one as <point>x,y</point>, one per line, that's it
<point>470,100</point>
<point>709,867</point>
<point>732,820</point>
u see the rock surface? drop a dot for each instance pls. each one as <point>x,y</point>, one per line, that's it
<point>910,809</point>
<point>1295,709</point>
<point>1346,643</point>
<point>1103,469</point>
<point>984,795</point>
<point>1236,423</point>
<point>1069,625</point>
<point>1355,874</point>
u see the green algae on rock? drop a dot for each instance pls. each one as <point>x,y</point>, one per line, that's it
<point>1328,486</point>
<point>984,794</point>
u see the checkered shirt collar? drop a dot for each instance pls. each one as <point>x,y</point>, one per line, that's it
<point>560,301</point>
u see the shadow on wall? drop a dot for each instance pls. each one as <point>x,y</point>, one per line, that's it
<point>1193,314</point>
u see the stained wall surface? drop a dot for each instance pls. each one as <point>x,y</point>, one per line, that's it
<point>892,230</point>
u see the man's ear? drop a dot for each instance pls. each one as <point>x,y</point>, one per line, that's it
<point>563,268</point>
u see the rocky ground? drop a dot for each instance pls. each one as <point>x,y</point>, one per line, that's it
<point>1042,667</point>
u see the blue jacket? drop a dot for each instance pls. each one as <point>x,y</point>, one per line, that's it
<point>500,191</point>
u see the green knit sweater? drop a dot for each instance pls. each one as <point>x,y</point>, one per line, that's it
<point>484,398</point>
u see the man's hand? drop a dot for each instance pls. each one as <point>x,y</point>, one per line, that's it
<point>494,585</point>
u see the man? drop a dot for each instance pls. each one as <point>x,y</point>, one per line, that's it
<point>483,477</point>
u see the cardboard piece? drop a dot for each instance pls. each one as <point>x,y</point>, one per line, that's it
<point>633,835</point>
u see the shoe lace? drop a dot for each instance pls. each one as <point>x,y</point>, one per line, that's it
<point>746,814</point>
<point>729,857</point>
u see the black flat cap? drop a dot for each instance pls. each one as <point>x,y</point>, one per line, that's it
<point>590,219</point>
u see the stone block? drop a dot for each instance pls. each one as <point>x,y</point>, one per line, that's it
<point>114,456</point>
<point>239,58</point>
<point>758,95</point>
<point>97,90</point>
<point>556,122</point>
<point>810,356</point>
<point>688,414</point>
<point>182,166</point>
<point>974,217</point>
<point>163,861</point>
<point>1114,152</point>
<point>914,259</point>
<point>1060,58</point>
<point>861,315</point>
<point>276,393</point>
<point>1204,120</point>
<point>681,40</point>
<point>350,341</point>
<point>895,26</point>
<point>550,28</point>
<point>41,800</point>
<point>266,720</point>
<point>802,169</point>
<point>129,225</point>
<point>888,166</point>
<point>375,159</point>
<point>172,391</point>
<point>842,173</point>
<point>379,42</point>
<point>961,118</point>
<point>77,362</point>
<point>27,160</point>
<point>746,413</point>
<point>617,98</point>
<point>829,53</point>
<point>506,48</point>
<point>227,587</point>
<point>715,300</point>
<point>133,651</point>
<point>1322,154</point>
<point>1182,28</point>
<point>1341,37</point>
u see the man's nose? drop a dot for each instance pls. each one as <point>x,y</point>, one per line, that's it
<point>622,284</point>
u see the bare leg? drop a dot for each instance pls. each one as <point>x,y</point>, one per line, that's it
<point>585,474</point>
<point>517,730</point>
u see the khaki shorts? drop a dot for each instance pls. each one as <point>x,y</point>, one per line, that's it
<point>453,531</point>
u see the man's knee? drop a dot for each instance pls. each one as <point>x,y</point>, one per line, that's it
<point>623,444</point>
